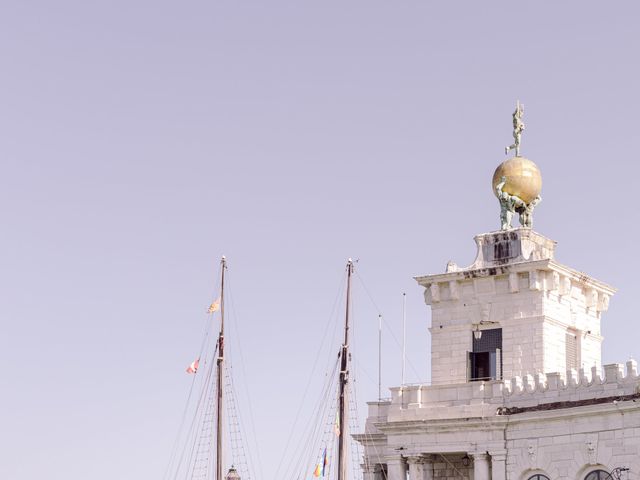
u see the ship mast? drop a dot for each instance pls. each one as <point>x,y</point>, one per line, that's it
<point>342,388</point>
<point>219,372</point>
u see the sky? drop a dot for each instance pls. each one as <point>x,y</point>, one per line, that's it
<point>140,141</point>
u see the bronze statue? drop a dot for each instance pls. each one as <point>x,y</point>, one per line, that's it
<point>526,213</point>
<point>518,128</point>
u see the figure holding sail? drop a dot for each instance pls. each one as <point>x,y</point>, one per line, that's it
<point>518,128</point>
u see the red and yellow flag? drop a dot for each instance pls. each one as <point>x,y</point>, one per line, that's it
<point>193,368</point>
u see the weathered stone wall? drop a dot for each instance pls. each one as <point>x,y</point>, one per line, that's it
<point>553,344</point>
<point>533,299</point>
<point>561,425</point>
<point>566,446</point>
<point>534,322</point>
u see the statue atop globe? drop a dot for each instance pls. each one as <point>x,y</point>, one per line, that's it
<point>517,182</point>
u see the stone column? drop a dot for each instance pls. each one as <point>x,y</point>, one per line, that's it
<point>397,468</point>
<point>415,467</point>
<point>498,466</point>
<point>481,466</point>
<point>420,468</point>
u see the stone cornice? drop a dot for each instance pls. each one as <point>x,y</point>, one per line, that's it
<point>581,277</point>
<point>369,438</point>
<point>484,424</point>
<point>518,267</point>
<point>582,411</point>
<point>491,424</point>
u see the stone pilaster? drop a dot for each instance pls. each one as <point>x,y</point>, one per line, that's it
<point>481,466</point>
<point>498,466</point>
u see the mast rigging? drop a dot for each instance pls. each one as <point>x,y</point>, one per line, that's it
<point>344,378</point>
<point>219,373</point>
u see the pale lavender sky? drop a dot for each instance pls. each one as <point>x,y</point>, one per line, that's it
<point>140,140</point>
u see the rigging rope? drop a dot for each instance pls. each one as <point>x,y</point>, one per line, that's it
<point>174,449</point>
<point>195,459</point>
<point>204,347</point>
<point>238,344</point>
<point>199,412</point>
<point>388,327</point>
<point>321,348</point>
<point>354,425</point>
<point>312,441</point>
<point>238,455</point>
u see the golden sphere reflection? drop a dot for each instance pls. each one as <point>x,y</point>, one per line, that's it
<point>523,178</point>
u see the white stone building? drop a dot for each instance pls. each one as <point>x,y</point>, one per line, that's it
<point>517,391</point>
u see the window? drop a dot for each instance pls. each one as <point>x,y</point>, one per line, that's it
<point>539,476</point>
<point>485,362</point>
<point>571,350</point>
<point>598,475</point>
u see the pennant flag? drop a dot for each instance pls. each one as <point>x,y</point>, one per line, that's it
<point>322,466</point>
<point>324,461</point>
<point>215,306</point>
<point>193,368</point>
<point>336,425</point>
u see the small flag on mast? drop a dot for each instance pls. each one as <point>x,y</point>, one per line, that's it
<point>322,466</point>
<point>215,306</point>
<point>336,425</point>
<point>193,368</point>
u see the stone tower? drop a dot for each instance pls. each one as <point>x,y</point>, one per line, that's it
<point>517,388</point>
<point>514,311</point>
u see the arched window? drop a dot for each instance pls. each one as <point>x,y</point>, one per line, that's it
<point>539,476</point>
<point>598,475</point>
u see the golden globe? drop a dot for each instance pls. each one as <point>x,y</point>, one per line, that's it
<point>523,178</point>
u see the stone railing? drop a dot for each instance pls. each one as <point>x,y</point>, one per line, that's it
<point>615,375</point>
<point>484,398</point>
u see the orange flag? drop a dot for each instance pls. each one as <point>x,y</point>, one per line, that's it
<point>214,307</point>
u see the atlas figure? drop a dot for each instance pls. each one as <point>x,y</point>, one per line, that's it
<point>511,204</point>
